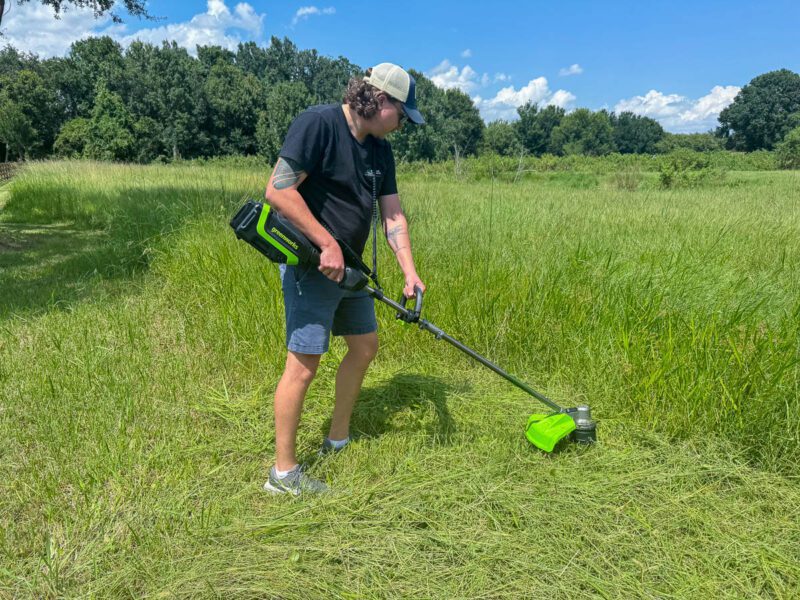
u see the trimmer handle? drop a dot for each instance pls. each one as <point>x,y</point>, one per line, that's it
<point>353,279</point>
<point>411,316</point>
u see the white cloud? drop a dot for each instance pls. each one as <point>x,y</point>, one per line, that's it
<point>217,26</point>
<point>535,91</point>
<point>311,11</point>
<point>466,53</point>
<point>448,76</point>
<point>575,69</point>
<point>32,28</point>
<point>561,98</point>
<point>712,103</point>
<point>504,104</point>
<point>652,104</point>
<point>680,114</point>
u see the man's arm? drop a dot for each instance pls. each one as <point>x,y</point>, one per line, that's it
<point>283,196</point>
<point>395,227</point>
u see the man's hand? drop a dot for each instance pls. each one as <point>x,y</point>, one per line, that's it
<point>412,281</point>
<point>331,262</point>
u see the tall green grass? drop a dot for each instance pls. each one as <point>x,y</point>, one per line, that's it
<point>135,395</point>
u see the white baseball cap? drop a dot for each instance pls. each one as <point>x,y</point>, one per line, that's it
<point>400,85</point>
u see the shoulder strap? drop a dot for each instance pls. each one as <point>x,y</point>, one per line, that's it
<point>374,216</point>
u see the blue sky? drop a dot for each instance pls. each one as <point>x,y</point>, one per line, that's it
<point>679,62</point>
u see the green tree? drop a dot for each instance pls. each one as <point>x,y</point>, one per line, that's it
<point>146,135</point>
<point>213,55</point>
<point>788,150</point>
<point>584,132</point>
<point>635,134</point>
<point>500,137</point>
<point>535,127</point>
<point>763,112</point>
<point>325,79</point>
<point>110,128</point>
<point>33,115</point>
<point>12,61</point>
<point>284,102</point>
<point>136,8</point>
<point>72,139</point>
<point>234,101</point>
<point>89,61</point>
<point>460,125</point>
<point>281,62</point>
<point>16,130</point>
<point>251,59</point>
<point>166,85</point>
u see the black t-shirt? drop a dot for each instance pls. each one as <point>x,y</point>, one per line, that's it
<point>338,189</point>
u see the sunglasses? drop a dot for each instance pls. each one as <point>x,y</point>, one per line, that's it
<point>402,117</point>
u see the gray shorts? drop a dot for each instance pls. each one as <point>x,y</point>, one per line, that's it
<point>317,307</point>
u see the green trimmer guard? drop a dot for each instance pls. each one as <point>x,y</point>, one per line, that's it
<point>545,431</point>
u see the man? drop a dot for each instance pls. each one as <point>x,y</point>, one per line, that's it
<point>333,166</point>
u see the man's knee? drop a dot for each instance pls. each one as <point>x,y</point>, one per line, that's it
<point>364,348</point>
<point>302,367</point>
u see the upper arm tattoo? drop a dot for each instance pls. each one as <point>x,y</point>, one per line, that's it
<point>287,174</point>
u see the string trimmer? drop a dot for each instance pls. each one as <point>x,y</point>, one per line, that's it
<point>280,241</point>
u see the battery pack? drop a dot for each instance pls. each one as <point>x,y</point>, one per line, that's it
<point>273,235</point>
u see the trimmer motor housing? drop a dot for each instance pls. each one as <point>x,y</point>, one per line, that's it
<point>585,427</point>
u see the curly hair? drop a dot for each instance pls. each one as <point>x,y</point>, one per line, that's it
<point>362,97</point>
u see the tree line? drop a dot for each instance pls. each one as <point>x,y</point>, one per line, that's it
<point>150,102</point>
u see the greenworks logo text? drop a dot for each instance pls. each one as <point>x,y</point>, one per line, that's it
<point>283,237</point>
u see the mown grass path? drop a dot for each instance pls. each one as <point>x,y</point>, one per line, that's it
<point>135,397</point>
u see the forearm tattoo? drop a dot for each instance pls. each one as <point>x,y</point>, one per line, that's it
<point>286,174</point>
<point>393,236</point>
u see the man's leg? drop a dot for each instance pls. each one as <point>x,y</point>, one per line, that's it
<point>289,395</point>
<point>361,349</point>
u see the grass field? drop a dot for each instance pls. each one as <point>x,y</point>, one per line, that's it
<point>140,344</point>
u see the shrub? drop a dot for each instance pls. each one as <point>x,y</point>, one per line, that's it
<point>72,138</point>
<point>699,142</point>
<point>788,151</point>
<point>686,168</point>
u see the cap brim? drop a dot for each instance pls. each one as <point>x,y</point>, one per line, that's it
<point>414,115</point>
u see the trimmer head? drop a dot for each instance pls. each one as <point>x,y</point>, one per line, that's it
<point>545,431</point>
<point>585,428</point>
